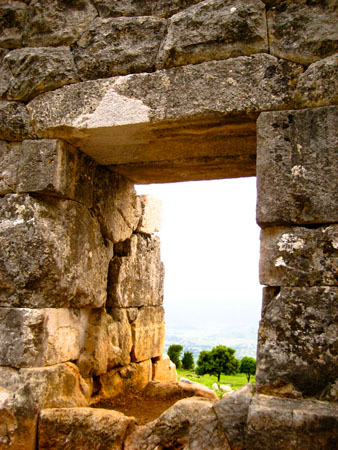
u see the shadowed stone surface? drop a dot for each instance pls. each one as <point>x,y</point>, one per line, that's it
<point>85,428</point>
<point>279,424</point>
<point>297,339</point>
<point>63,261</point>
<point>297,164</point>
<point>118,46</point>
<point>303,31</point>
<point>14,121</point>
<point>214,29</point>
<point>299,256</point>
<point>12,21</point>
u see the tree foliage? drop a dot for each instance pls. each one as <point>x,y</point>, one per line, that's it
<point>188,361</point>
<point>174,353</point>
<point>218,360</point>
<point>248,366</point>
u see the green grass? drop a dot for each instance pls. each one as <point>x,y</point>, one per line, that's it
<point>235,381</point>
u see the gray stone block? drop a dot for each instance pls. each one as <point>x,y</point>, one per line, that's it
<point>15,122</point>
<point>12,22</point>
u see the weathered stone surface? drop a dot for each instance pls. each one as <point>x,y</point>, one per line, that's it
<point>116,205</point>
<point>136,279</point>
<point>32,71</point>
<point>63,260</point>
<point>148,333</point>
<point>151,218</point>
<point>278,424</point>
<point>190,423</point>
<point>177,390</point>
<point>303,31</point>
<point>47,166</point>
<point>118,46</point>
<point>299,256</point>
<point>12,20</point>
<point>87,428</point>
<point>127,379</point>
<point>164,369</point>
<point>40,337</point>
<point>297,339</point>
<point>297,150</point>
<point>232,413</point>
<point>14,121</point>
<point>214,29</point>
<point>107,344</point>
<point>318,85</point>
<point>130,120</point>
<point>57,23</point>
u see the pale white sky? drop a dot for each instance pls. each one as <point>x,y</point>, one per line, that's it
<point>210,248</point>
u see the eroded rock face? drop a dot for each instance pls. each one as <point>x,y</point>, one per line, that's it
<point>63,260</point>
<point>164,369</point>
<point>12,21</point>
<point>214,29</point>
<point>14,121</point>
<point>293,148</point>
<point>277,424</point>
<point>75,428</point>
<point>150,221</point>
<point>297,256</point>
<point>297,339</point>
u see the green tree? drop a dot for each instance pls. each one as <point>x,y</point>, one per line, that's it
<point>218,360</point>
<point>174,353</point>
<point>248,366</point>
<point>188,361</point>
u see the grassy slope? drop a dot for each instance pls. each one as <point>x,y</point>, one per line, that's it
<point>235,381</point>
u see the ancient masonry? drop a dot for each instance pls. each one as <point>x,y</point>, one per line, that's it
<point>99,94</point>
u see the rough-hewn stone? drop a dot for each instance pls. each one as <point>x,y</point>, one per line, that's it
<point>40,337</point>
<point>57,23</point>
<point>14,121</point>
<point>299,256</point>
<point>297,339</point>
<point>32,71</point>
<point>148,333</point>
<point>136,279</point>
<point>150,221</point>
<point>47,166</point>
<point>116,205</point>
<point>232,413</point>
<point>303,31</point>
<point>190,423</point>
<point>63,260</point>
<point>87,428</point>
<point>12,20</point>
<point>318,85</point>
<point>164,369</point>
<point>214,29</point>
<point>177,390</point>
<point>297,151</point>
<point>118,46</point>
<point>278,424</point>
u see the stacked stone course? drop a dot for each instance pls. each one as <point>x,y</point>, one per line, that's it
<point>96,95</point>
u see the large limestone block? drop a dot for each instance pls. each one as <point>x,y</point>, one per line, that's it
<point>40,337</point>
<point>164,369</point>
<point>57,23</point>
<point>136,279</point>
<point>12,21</point>
<point>297,151</point>
<point>318,85</point>
<point>83,428</point>
<point>116,205</point>
<point>148,331</point>
<point>298,256</point>
<point>214,29</point>
<point>151,218</point>
<point>297,340</point>
<point>232,413</point>
<point>303,31</point>
<point>32,71</point>
<point>14,121</point>
<point>177,114</point>
<point>174,390</point>
<point>189,423</point>
<point>62,259</point>
<point>47,166</point>
<point>279,424</point>
<point>118,46</point>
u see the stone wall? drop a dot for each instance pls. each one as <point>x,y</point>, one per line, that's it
<point>98,94</point>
